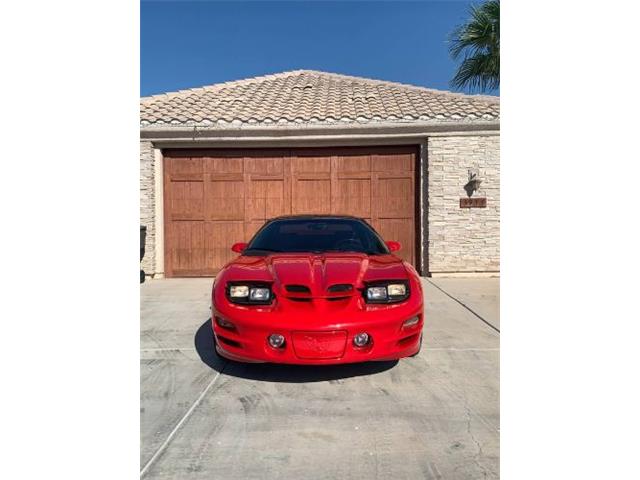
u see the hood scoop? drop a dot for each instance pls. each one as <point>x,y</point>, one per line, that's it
<point>334,292</point>
<point>300,293</point>
<point>297,289</point>
<point>340,288</point>
<point>339,291</point>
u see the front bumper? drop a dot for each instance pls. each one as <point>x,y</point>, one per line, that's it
<point>247,341</point>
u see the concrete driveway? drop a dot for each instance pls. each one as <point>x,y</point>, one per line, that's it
<point>433,416</point>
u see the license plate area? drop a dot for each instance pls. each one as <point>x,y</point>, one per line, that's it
<point>327,345</point>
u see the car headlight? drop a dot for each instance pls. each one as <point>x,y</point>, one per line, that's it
<point>239,291</point>
<point>387,292</point>
<point>249,294</point>
<point>397,290</point>
<point>377,293</point>
<point>259,294</point>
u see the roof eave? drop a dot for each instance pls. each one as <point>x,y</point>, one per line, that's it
<point>202,133</point>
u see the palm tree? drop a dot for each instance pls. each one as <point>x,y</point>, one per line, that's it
<point>478,42</point>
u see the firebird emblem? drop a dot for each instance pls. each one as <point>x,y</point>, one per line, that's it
<point>314,344</point>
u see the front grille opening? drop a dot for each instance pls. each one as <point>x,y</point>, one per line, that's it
<point>299,299</point>
<point>340,287</point>
<point>335,299</point>
<point>228,341</point>
<point>297,289</point>
<point>408,340</point>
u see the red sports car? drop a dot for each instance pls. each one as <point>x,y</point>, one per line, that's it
<point>317,290</point>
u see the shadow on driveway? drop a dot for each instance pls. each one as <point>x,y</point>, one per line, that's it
<point>270,372</point>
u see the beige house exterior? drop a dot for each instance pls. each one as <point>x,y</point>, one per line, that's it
<point>456,139</point>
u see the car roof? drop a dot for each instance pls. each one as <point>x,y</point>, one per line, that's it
<point>314,217</point>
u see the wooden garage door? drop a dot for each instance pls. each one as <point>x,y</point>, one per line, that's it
<point>213,198</point>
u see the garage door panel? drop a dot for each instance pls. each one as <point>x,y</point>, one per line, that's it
<point>353,163</point>
<point>187,177</point>
<point>394,197</point>
<point>266,199</point>
<point>311,196</point>
<point>311,165</point>
<point>185,165</point>
<point>352,197</point>
<point>225,200</point>
<point>186,201</point>
<point>186,251</point>
<point>392,163</point>
<point>398,230</point>
<point>264,166</point>
<point>223,165</point>
<point>219,237</point>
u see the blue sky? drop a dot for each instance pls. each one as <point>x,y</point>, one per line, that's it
<point>191,44</point>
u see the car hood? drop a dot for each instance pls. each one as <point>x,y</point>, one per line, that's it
<point>294,275</point>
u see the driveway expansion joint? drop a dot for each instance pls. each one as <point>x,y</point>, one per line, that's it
<point>464,305</point>
<point>182,421</point>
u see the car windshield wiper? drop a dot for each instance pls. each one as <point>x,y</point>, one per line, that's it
<point>262,250</point>
<point>352,250</point>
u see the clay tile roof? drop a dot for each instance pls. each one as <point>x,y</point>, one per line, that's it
<point>306,96</point>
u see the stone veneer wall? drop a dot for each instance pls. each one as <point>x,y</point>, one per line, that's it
<point>147,204</point>
<point>463,239</point>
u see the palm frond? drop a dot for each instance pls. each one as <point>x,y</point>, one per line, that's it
<point>478,41</point>
<point>478,72</point>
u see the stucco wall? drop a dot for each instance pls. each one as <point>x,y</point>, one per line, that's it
<point>147,204</point>
<point>463,239</point>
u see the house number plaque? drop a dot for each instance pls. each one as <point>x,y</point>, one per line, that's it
<point>477,202</point>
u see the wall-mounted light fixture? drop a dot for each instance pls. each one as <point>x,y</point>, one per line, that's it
<point>473,184</point>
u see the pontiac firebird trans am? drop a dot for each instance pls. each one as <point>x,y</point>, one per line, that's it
<point>317,290</point>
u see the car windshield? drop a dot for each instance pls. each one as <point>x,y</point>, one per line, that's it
<point>316,235</point>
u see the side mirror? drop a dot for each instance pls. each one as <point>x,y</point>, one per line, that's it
<point>393,246</point>
<point>239,247</point>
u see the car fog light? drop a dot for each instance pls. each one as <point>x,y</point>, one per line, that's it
<point>361,339</point>
<point>411,322</point>
<point>276,340</point>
